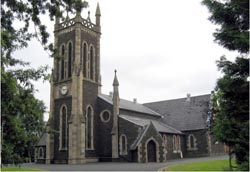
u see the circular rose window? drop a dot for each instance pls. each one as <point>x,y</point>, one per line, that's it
<point>105,116</point>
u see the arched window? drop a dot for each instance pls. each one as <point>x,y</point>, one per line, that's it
<point>89,128</point>
<point>91,63</point>
<point>84,59</point>
<point>40,155</point>
<point>69,59</point>
<point>57,69</point>
<point>178,143</point>
<point>123,145</point>
<point>165,141</point>
<point>63,128</point>
<point>62,62</point>
<point>176,140</point>
<point>191,142</point>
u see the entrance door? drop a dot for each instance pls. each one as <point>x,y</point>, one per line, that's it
<point>151,151</point>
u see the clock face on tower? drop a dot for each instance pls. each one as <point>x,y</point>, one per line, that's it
<point>64,90</point>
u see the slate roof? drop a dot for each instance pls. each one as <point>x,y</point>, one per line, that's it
<point>139,138</point>
<point>129,105</point>
<point>42,141</point>
<point>182,114</point>
<point>159,126</point>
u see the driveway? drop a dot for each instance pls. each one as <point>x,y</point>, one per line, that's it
<point>118,166</point>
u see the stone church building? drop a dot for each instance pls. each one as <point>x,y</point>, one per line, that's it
<point>87,126</point>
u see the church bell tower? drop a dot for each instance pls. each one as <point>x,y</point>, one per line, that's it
<point>75,85</point>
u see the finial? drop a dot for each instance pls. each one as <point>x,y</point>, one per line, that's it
<point>57,20</point>
<point>67,16</point>
<point>88,14</point>
<point>115,82</point>
<point>98,11</point>
<point>67,13</point>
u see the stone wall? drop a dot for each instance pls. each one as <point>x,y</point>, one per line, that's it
<point>40,158</point>
<point>60,156</point>
<point>151,134</point>
<point>130,130</point>
<point>90,91</point>
<point>217,148</point>
<point>201,139</point>
<point>171,154</point>
<point>103,131</point>
<point>91,38</point>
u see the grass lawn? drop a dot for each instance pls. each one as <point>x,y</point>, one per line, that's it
<point>19,169</point>
<point>216,165</point>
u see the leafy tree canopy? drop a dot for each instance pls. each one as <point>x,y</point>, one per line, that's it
<point>233,18</point>
<point>231,98</point>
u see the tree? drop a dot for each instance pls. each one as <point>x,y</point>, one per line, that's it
<point>21,112</point>
<point>233,17</point>
<point>231,108</point>
<point>22,120</point>
<point>231,98</point>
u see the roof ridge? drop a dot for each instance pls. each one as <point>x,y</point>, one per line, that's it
<point>129,106</point>
<point>175,99</point>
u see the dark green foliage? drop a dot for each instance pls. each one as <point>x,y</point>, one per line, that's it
<point>231,97</point>
<point>22,122</point>
<point>233,17</point>
<point>232,108</point>
<point>13,39</point>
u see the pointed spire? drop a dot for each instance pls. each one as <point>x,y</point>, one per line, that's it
<point>98,11</point>
<point>115,82</point>
<point>116,112</point>
<point>98,18</point>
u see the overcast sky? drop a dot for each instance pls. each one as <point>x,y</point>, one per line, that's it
<point>162,49</point>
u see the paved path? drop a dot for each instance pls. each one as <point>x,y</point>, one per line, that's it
<point>118,166</point>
